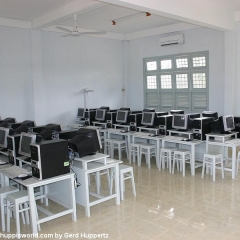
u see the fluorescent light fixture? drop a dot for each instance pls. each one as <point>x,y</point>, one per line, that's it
<point>137,15</point>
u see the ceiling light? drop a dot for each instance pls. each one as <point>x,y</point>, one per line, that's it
<point>137,15</point>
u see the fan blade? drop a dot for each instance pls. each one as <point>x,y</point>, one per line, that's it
<point>67,35</point>
<point>64,29</point>
<point>93,33</point>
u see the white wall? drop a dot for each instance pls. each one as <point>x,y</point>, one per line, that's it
<point>16,99</point>
<point>199,39</point>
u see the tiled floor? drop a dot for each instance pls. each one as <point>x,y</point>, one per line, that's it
<point>166,207</point>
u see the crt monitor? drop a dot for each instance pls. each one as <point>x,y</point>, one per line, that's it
<point>81,113</point>
<point>228,123</point>
<point>7,121</point>
<point>86,142</point>
<point>177,112</point>
<point>100,114</point>
<point>4,132</point>
<point>148,118</point>
<point>49,129</point>
<point>25,140</point>
<point>122,116</point>
<point>180,121</point>
<point>214,115</point>
<point>25,125</point>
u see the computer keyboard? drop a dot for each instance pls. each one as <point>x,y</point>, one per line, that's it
<point>178,138</point>
<point>14,171</point>
<point>233,141</point>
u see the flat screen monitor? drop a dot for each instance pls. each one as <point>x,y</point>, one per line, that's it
<point>180,121</point>
<point>177,112</point>
<point>4,132</point>
<point>214,115</point>
<point>25,140</point>
<point>86,142</point>
<point>228,123</point>
<point>81,113</point>
<point>122,116</point>
<point>148,118</point>
<point>100,114</point>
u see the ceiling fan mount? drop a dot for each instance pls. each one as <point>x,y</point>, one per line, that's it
<point>75,32</point>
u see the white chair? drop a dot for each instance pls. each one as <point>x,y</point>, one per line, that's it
<point>108,146</point>
<point>119,145</point>
<point>18,202</point>
<point>4,191</point>
<point>212,159</point>
<point>149,150</point>
<point>238,159</point>
<point>134,150</point>
<point>182,156</point>
<point>166,155</point>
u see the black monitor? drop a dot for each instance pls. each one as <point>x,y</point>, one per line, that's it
<point>122,116</point>
<point>148,118</point>
<point>81,113</point>
<point>180,121</point>
<point>214,115</point>
<point>4,132</point>
<point>100,114</point>
<point>86,142</point>
<point>176,112</point>
<point>25,125</point>
<point>228,123</point>
<point>7,121</point>
<point>149,110</point>
<point>25,141</point>
<point>49,129</point>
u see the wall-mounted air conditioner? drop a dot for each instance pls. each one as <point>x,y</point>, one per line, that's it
<point>171,40</point>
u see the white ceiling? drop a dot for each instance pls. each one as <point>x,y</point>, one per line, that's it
<point>92,15</point>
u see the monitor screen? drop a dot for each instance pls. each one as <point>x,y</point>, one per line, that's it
<point>81,113</point>
<point>179,121</point>
<point>148,118</point>
<point>228,123</point>
<point>177,112</point>
<point>25,141</point>
<point>122,116</point>
<point>214,115</point>
<point>86,142</point>
<point>100,114</point>
<point>4,132</point>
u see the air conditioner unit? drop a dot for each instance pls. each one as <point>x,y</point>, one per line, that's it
<point>171,40</point>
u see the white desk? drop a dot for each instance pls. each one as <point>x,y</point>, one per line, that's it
<point>120,132</point>
<point>33,183</point>
<point>220,137</point>
<point>146,136</point>
<point>226,145</point>
<point>182,133</point>
<point>192,144</point>
<point>91,164</point>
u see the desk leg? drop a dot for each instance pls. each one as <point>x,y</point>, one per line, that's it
<point>73,199</point>
<point>129,146</point>
<point>117,184</point>
<point>104,139</point>
<point>87,205</point>
<point>193,160</point>
<point>158,153</point>
<point>234,149</point>
<point>33,209</point>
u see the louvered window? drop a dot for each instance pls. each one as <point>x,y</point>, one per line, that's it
<point>177,82</point>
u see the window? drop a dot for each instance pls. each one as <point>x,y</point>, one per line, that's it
<point>177,82</point>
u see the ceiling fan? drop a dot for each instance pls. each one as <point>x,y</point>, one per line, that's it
<point>75,31</point>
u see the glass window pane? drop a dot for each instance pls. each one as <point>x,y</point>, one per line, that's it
<point>151,66</point>
<point>181,81</point>
<point>199,61</point>
<point>151,82</point>
<point>182,63</point>
<point>166,64</point>
<point>199,80</point>
<point>166,81</point>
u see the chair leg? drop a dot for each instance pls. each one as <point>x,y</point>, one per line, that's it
<point>140,159</point>
<point>133,183</point>
<point>122,185</point>
<point>149,158</point>
<point>17,220</point>
<point>222,168</point>
<point>203,167</point>
<point>174,159</point>
<point>214,169</point>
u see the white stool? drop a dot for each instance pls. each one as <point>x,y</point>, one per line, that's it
<point>108,145</point>
<point>149,150</point>
<point>126,172</point>
<point>15,202</point>
<point>212,159</point>
<point>166,155</point>
<point>135,149</point>
<point>4,191</point>
<point>182,156</point>
<point>119,145</point>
